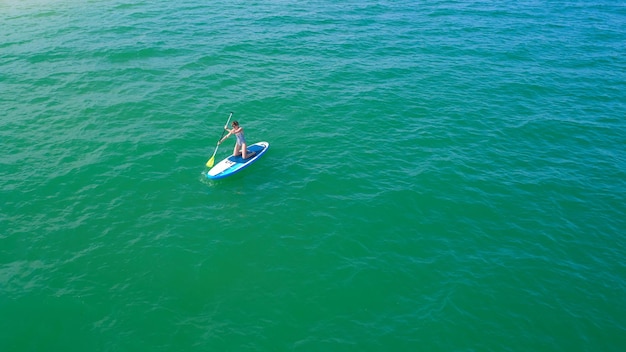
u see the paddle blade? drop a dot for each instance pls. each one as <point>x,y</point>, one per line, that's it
<point>211,162</point>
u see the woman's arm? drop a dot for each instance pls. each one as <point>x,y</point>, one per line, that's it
<point>226,136</point>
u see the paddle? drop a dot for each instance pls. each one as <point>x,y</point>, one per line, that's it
<point>212,160</point>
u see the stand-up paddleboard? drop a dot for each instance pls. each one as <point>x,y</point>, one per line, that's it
<point>234,164</point>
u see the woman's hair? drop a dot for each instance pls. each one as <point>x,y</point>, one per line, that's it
<point>235,123</point>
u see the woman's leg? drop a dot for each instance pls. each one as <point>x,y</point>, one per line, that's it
<point>244,152</point>
<point>237,150</point>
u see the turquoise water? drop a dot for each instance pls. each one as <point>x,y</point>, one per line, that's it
<point>442,176</point>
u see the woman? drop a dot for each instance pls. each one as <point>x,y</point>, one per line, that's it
<point>240,145</point>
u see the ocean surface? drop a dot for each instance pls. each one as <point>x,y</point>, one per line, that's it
<point>442,176</point>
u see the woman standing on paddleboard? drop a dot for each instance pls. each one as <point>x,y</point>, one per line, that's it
<point>240,145</point>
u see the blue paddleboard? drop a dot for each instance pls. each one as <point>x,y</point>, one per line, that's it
<point>234,164</point>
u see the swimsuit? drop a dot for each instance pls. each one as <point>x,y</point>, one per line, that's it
<point>240,138</point>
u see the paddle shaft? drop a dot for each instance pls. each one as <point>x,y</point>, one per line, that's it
<point>218,141</point>
<point>224,131</point>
